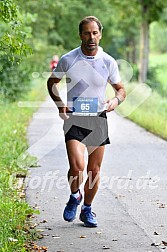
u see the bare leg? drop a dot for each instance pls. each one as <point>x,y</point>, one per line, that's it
<point>75,151</point>
<point>93,170</point>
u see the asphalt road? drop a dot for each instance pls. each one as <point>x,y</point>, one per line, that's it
<point>131,204</point>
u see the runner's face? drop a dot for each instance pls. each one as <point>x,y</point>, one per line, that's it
<point>90,36</point>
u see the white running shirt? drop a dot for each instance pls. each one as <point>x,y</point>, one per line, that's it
<point>87,76</point>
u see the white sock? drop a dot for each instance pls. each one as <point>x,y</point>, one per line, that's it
<point>76,195</point>
<point>83,207</point>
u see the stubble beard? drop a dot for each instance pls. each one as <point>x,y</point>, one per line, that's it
<point>89,48</point>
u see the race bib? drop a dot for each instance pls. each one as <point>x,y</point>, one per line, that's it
<point>85,106</point>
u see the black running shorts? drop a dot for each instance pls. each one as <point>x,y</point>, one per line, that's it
<point>90,130</point>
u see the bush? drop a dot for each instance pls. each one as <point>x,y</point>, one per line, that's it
<point>135,72</point>
<point>14,79</point>
<point>152,78</point>
<point>153,81</point>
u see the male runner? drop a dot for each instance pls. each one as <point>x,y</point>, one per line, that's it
<point>88,69</point>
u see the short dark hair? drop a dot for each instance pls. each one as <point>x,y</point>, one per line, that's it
<point>88,19</point>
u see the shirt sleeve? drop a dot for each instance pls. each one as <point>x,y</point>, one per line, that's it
<point>114,75</point>
<point>60,69</point>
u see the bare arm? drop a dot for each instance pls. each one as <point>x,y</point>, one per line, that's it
<point>54,93</point>
<point>120,95</point>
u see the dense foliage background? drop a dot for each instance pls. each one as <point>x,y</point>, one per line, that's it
<point>33,31</point>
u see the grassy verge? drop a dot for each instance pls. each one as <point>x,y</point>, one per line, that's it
<point>160,62</point>
<point>14,210</point>
<point>151,114</point>
<point>150,111</point>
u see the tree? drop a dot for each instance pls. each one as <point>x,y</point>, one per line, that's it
<point>14,32</point>
<point>14,35</point>
<point>150,11</point>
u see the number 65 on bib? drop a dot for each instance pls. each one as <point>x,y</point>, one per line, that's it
<point>83,106</point>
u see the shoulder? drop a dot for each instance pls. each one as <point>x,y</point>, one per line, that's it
<point>109,61</point>
<point>108,58</point>
<point>71,54</point>
<point>67,60</point>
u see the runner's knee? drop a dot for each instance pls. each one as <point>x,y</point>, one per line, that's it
<point>77,166</point>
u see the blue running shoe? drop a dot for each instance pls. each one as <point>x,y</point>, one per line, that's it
<point>88,217</point>
<point>71,208</point>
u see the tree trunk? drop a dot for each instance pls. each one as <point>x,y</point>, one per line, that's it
<point>144,45</point>
<point>134,52</point>
<point>131,50</point>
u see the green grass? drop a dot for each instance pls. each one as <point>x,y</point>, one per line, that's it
<point>157,59</point>
<point>160,62</point>
<point>151,114</point>
<point>13,209</point>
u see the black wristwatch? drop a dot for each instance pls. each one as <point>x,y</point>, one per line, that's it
<point>119,101</point>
